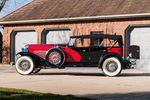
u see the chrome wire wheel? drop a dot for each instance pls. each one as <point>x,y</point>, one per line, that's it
<point>55,57</point>
<point>24,65</point>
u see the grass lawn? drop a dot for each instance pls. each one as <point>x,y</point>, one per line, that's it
<point>17,94</point>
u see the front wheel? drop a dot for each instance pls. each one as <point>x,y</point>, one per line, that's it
<point>24,65</point>
<point>112,66</point>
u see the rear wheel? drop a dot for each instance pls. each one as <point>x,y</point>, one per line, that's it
<point>24,65</point>
<point>112,66</point>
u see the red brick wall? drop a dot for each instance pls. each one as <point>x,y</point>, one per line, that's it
<point>109,27</point>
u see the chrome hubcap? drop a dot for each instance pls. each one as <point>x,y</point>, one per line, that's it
<point>111,66</point>
<point>25,65</point>
<point>55,58</point>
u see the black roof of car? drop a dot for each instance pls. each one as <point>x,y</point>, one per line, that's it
<point>114,37</point>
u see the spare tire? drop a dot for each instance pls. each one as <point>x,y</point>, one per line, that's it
<point>55,57</point>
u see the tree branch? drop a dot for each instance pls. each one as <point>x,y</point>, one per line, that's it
<point>2,4</point>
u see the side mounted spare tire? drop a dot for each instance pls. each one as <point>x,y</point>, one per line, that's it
<point>24,65</point>
<point>112,66</point>
<point>55,57</point>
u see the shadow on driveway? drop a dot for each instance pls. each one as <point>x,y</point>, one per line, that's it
<point>72,73</point>
<point>94,74</point>
<point>128,96</point>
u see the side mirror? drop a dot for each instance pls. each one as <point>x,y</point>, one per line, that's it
<point>134,52</point>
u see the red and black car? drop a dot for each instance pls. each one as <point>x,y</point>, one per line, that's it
<point>102,51</point>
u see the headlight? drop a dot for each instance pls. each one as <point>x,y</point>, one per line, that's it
<point>18,55</point>
<point>26,48</point>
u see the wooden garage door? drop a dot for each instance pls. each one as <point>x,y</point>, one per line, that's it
<point>141,37</point>
<point>58,36</point>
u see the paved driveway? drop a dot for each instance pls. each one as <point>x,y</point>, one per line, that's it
<point>131,85</point>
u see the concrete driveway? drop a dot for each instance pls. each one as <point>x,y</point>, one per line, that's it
<point>131,85</point>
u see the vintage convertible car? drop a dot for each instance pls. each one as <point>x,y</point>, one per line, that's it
<point>102,51</point>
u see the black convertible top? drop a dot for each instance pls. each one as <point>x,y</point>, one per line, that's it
<point>113,37</point>
<point>102,36</point>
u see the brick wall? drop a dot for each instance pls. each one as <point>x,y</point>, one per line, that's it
<point>109,27</point>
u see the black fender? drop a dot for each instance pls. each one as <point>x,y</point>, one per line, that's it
<point>56,49</point>
<point>34,56</point>
<point>104,57</point>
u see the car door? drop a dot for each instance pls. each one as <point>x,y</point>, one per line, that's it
<point>95,53</point>
<point>84,53</point>
<point>90,55</point>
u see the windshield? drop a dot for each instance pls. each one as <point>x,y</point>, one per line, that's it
<point>71,41</point>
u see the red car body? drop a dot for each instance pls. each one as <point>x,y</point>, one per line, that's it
<point>70,54</point>
<point>41,50</point>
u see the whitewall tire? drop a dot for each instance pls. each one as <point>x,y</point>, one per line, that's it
<point>24,65</point>
<point>112,66</point>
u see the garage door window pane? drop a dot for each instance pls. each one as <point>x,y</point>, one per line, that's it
<point>58,37</point>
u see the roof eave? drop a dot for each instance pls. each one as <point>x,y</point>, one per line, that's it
<point>75,19</point>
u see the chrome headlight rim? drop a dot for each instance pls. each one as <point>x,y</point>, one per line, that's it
<point>26,48</point>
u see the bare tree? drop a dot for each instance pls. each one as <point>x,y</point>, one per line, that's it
<point>2,4</point>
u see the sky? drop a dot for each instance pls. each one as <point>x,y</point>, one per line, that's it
<point>12,5</point>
